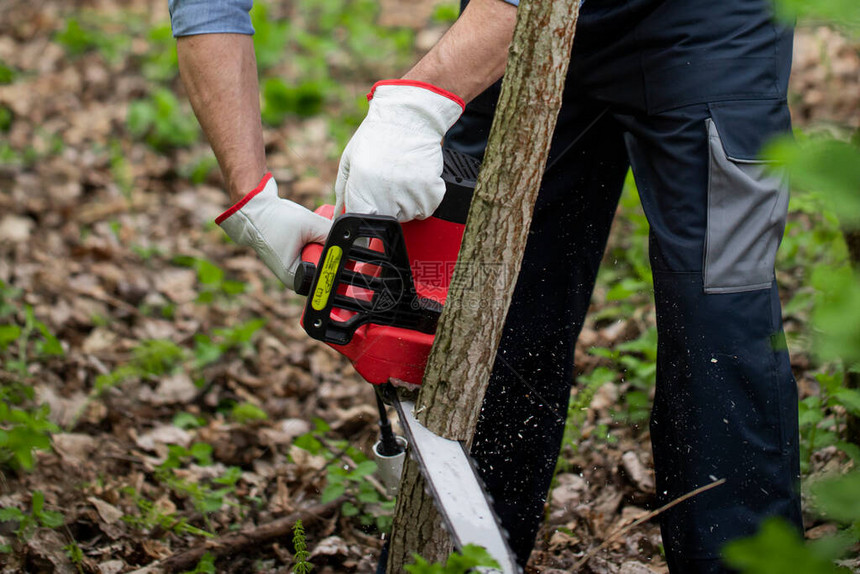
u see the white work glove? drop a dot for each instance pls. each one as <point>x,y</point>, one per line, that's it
<point>393,163</point>
<point>277,229</point>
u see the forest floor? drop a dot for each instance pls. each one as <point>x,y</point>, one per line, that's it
<point>188,410</point>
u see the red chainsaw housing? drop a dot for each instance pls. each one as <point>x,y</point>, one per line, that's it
<point>381,352</point>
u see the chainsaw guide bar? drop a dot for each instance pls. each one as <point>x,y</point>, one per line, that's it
<point>456,488</point>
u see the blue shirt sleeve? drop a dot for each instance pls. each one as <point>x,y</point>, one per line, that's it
<point>189,17</point>
<point>514,2</point>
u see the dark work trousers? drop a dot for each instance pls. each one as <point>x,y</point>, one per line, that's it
<point>686,99</point>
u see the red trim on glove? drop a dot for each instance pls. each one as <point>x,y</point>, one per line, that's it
<point>241,203</point>
<point>416,84</point>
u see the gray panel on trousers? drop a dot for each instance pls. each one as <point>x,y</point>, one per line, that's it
<point>747,208</point>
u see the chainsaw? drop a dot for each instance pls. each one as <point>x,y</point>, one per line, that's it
<point>375,292</point>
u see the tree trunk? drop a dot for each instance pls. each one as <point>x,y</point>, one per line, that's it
<point>490,257</point>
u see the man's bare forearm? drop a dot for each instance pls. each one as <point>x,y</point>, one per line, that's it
<point>473,53</point>
<point>220,75</point>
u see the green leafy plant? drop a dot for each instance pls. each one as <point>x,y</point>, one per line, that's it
<point>12,156</point>
<point>87,31</point>
<point>23,429</point>
<point>814,253</point>
<point>160,64</point>
<point>823,416</point>
<point>325,38</point>
<point>365,502</point>
<point>24,425</point>
<point>244,413</point>
<point>842,13</point>
<point>29,522</point>
<point>577,410</point>
<point>162,122</point>
<point>635,363</point>
<point>154,358</point>
<point>150,517</point>
<point>34,340</point>
<point>446,13</point>
<point>625,278</point>
<point>205,566</point>
<point>206,497</point>
<point>340,479</point>
<point>7,74</point>
<point>349,33</point>
<point>213,283</point>
<point>75,39</point>
<point>75,554</point>
<point>778,548</point>
<point>281,100</point>
<point>469,558</point>
<point>8,299</point>
<point>837,313</point>
<point>838,498</point>
<point>185,420</point>
<point>119,168</point>
<point>300,547</point>
<point>209,348</point>
<point>271,36</point>
<point>157,357</point>
<point>91,31</point>
<point>149,358</point>
<point>5,118</point>
<point>200,452</point>
<point>47,145</point>
<point>199,169</point>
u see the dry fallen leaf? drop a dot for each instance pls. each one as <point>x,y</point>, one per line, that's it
<point>162,435</point>
<point>64,410</point>
<point>112,567</point>
<point>47,545</point>
<point>107,512</point>
<point>641,476</point>
<point>74,448</point>
<point>285,432</point>
<point>631,567</point>
<point>177,388</point>
<point>331,547</point>
<point>15,229</point>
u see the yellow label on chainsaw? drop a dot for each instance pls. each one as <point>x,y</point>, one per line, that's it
<point>327,274</point>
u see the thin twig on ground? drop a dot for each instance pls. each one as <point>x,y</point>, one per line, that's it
<point>644,518</point>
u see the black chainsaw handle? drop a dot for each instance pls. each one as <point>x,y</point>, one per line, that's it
<point>389,289</point>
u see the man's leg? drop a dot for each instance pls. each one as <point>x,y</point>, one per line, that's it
<point>522,422</point>
<point>726,400</point>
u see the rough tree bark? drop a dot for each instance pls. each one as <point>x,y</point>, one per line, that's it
<point>490,257</point>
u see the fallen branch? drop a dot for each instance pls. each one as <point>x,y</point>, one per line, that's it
<point>238,541</point>
<point>644,518</point>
